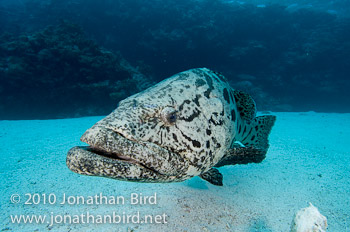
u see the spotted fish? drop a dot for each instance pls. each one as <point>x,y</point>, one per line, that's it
<point>187,125</point>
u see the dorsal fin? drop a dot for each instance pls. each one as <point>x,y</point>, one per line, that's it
<point>245,105</point>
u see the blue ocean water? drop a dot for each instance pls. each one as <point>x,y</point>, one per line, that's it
<point>66,64</point>
<point>290,55</point>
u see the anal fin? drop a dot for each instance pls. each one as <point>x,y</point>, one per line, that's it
<point>213,176</point>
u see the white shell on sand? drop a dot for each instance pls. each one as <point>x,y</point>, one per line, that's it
<point>309,220</point>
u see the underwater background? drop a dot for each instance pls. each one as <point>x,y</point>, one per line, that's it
<point>64,64</point>
<point>289,55</point>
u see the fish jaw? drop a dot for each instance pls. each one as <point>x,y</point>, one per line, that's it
<point>112,155</point>
<point>83,160</point>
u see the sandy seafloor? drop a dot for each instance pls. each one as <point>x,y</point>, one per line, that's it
<point>308,161</point>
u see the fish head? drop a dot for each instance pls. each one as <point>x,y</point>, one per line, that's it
<point>170,132</point>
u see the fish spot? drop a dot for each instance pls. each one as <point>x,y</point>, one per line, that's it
<point>182,105</point>
<point>215,122</point>
<point>196,99</point>
<point>196,143</point>
<point>183,76</point>
<point>211,155</point>
<point>208,144</point>
<point>211,87</point>
<point>233,115</point>
<point>226,96</point>
<point>222,112</point>
<point>208,132</point>
<point>192,116</point>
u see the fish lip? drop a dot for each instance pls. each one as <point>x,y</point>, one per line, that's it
<point>148,155</point>
<point>82,160</point>
<point>106,154</point>
<point>116,156</point>
<point>119,157</point>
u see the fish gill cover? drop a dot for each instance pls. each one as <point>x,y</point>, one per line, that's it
<point>291,57</point>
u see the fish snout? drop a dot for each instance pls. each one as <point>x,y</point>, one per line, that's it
<point>114,145</point>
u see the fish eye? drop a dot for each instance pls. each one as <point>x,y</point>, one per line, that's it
<point>168,115</point>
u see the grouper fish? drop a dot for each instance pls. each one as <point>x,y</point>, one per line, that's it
<point>187,125</point>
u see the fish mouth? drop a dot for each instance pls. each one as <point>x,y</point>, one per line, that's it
<point>111,154</point>
<point>90,161</point>
<point>115,156</point>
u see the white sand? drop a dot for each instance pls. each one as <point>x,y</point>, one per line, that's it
<point>308,161</point>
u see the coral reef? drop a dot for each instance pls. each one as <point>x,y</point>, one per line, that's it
<point>58,72</point>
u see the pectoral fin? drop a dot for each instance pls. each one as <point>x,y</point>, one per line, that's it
<point>213,176</point>
<point>242,155</point>
<point>252,142</point>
